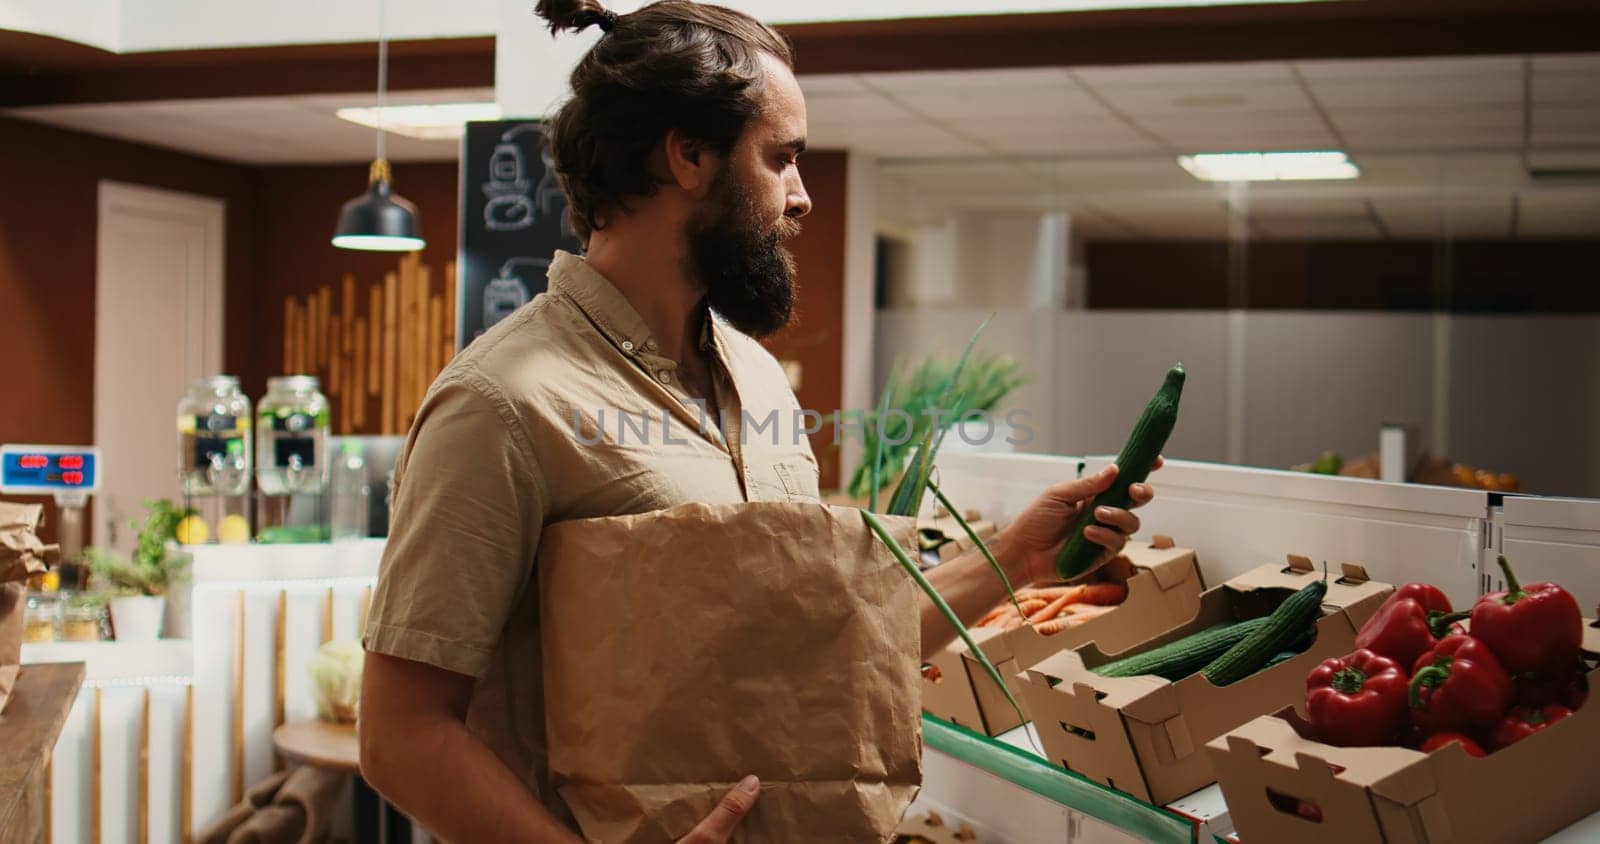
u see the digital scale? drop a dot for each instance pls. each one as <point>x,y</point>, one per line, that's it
<point>68,473</point>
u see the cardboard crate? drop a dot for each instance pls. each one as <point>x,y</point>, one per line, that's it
<point>1164,587</point>
<point>1524,792</point>
<point>1145,735</point>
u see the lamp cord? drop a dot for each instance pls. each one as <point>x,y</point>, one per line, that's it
<point>383,76</point>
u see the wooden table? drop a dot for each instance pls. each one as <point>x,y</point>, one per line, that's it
<point>29,727</point>
<point>322,744</point>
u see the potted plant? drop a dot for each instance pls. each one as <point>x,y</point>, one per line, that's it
<point>139,586</point>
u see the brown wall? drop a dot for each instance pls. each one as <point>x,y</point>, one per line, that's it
<point>816,337</point>
<point>49,197</point>
<point>1501,276</point>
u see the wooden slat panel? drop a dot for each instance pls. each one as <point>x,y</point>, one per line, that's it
<point>289,319</point>
<point>324,311</point>
<point>450,309</point>
<point>435,342</point>
<point>391,318</point>
<point>375,342</point>
<point>302,349</point>
<point>334,358</point>
<point>403,337</point>
<point>421,376</point>
<point>358,387</point>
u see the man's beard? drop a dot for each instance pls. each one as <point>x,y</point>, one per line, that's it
<point>747,274</point>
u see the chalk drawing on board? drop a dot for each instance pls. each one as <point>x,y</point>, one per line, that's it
<point>551,198</point>
<point>510,206</point>
<point>507,291</point>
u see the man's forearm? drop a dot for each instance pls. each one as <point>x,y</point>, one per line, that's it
<point>441,775</point>
<point>971,588</point>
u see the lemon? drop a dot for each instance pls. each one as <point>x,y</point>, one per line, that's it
<point>233,530</point>
<point>192,531</point>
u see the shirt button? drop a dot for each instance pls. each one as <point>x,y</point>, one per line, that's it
<point>665,375</point>
<point>627,345</point>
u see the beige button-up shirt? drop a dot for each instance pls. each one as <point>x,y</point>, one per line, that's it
<point>564,410</point>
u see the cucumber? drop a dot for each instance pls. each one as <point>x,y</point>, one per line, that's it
<point>1284,629</point>
<point>1177,660</point>
<point>1138,457</point>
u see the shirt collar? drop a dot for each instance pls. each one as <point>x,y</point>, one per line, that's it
<point>605,306</point>
<point>600,301</point>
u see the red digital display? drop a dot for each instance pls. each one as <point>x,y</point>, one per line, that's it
<point>72,478</point>
<point>72,461</point>
<point>34,461</point>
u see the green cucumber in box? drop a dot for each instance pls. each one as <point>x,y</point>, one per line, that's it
<point>1177,660</point>
<point>1138,458</point>
<point>1285,628</point>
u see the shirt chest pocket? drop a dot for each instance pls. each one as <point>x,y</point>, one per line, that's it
<point>787,478</point>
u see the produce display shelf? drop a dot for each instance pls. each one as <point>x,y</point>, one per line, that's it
<point>1023,768</point>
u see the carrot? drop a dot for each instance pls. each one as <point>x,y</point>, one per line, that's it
<point>1053,626</point>
<point>1030,606</point>
<point>1080,613</point>
<point>1012,623</point>
<point>1054,608</point>
<point>932,673</point>
<point>1104,594</point>
<point>1049,593</point>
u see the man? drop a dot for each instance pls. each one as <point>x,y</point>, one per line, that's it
<point>678,154</point>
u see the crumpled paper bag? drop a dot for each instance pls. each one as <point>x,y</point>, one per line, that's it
<point>22,555</point>
<point>688,647</point>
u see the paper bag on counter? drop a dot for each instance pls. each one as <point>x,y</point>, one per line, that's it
<point>22,555</point>
<point>686,648</point>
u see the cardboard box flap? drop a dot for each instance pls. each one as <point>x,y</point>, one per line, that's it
<point>1347,590</point>
<point>1169,564</point>
<point>1112,691</point>
<point>1274,740</point>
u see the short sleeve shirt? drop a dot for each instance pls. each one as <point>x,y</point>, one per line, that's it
<point>564,410</point>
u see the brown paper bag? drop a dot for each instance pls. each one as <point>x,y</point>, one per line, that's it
<point>22,555</point>
<point>686,648</point>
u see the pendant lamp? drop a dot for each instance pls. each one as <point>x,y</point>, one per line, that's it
<point>379,220</point>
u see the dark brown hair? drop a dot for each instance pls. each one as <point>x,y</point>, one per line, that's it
<point>674,64</point>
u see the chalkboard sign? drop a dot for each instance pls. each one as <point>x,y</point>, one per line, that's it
<point>513,219</point>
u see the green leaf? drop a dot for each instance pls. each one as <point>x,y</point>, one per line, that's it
<point>982,546</point>
<point>908,496</point>
<point>878,528</point>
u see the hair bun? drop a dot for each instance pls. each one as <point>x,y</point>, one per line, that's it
<point>575,15</point>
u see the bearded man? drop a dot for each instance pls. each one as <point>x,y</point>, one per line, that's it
<point>679,154</point>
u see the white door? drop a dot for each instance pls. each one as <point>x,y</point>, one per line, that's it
<point>158,327</point>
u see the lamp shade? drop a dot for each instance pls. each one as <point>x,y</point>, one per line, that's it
<point>379,220</point>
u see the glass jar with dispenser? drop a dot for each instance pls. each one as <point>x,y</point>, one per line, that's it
<point>215,460</point>
<point>292,422</point>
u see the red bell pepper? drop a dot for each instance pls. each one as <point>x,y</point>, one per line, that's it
<point>1357,700</point>
<point>1458,685</point>
<point>1409,623</point>
<point>1438,740</point>
<point>1569,687</point>
<point>1530,628</point>
<point>1524,721</point>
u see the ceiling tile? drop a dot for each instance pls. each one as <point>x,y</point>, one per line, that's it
<point>1448,217</point>
<point>1508,67</point>
<point>855,109</point>
<point>1198,100</point>
<point>1567,88</point>
<point>819,84</point>
<point>1559,215</point>
<point>963,103</point>
<point>1562,138</point>
<point>1424,92</point>
<point>1578,63</point>
<point>1565,117</point>
<point>967,80</point>
<point>1217,75</point>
